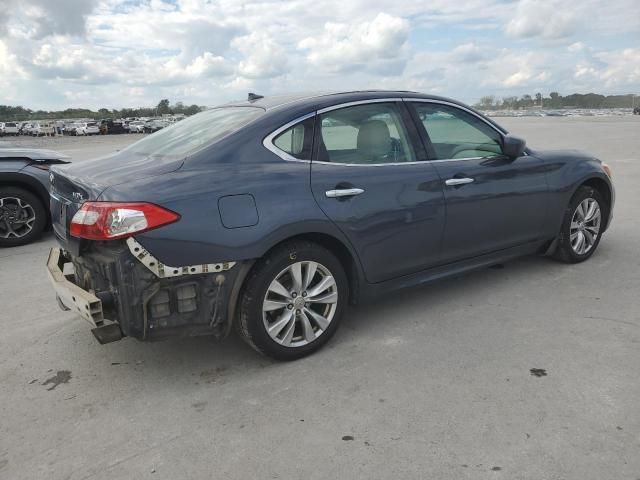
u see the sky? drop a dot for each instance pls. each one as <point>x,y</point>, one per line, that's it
<point>57,54</point>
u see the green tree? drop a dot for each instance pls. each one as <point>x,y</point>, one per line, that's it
<point>163,107</point>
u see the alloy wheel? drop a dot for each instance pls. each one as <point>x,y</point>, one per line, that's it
<point>16,217</point>
<point>585,226</point>
<point>300,304</point>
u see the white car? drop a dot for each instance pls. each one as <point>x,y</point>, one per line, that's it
<point>8,128</point>
<point>136,126</point>
<point>43,128</point>
<point>89,128</point>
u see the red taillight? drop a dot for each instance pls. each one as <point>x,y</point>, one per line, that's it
<point>111,220</point>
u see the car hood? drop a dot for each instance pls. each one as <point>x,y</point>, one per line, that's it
<point>555,155</point>
<point>87,180</point>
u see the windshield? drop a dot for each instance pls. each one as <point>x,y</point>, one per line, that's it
<point>195,132</point>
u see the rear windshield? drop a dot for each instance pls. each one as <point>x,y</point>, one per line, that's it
<point>9,124</point>
<point>195,132</point>
<point>92,124</point>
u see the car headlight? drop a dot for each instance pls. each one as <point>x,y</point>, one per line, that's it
<point>607,169</point>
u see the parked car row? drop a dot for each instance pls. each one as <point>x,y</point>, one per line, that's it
<point>81,129</point>
<point>35,129</point>
<point>105,126</point>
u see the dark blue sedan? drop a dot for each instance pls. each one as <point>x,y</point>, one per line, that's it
<point>271,215</point>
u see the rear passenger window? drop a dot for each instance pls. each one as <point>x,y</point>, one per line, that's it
<point>372,133</point>
<point>297,140</point>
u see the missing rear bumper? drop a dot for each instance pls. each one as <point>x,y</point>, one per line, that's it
<point>110,282</point>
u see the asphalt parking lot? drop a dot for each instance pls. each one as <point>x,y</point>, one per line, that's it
<point>531,371</point>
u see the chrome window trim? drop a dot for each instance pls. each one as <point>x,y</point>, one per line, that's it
<point>269,145</point>
<point>420,162</point>
<point>358,102</point>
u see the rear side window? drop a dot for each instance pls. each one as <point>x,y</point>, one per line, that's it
<point>455,133</point>
<point>195,132</point>
<point>297,140</point>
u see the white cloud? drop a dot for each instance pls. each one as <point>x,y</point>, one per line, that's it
<point>613,69</point>
<point>376,45</point>
<point>116,53</point>
<point>263,57</point>
<point>547,19</point>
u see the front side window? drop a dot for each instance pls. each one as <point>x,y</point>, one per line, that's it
<point>372,133</point>
<point>455,133</point>
<point>297,140</point>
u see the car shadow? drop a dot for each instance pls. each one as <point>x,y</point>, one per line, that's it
<point>208,361</point>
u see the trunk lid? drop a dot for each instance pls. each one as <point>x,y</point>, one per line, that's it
<point>74,184</point>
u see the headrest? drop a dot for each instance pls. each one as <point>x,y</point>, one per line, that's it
<point>374,138</point>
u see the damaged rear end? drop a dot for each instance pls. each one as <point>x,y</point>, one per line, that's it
<point>102,270</point>
<point>122,290</point>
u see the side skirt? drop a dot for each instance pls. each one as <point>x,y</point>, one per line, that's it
<point>370,290</point>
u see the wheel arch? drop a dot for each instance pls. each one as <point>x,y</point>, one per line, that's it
<point>336,246</point>
<point>603,187</point>
<point>30,184</point>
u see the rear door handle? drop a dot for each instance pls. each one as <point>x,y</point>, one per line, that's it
<point>343,192</point>
<point>452,182</point>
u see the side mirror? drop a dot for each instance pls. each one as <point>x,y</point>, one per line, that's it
<point>513,147</point>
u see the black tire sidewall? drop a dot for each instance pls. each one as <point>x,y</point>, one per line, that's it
<point>251,324</point>
<point>565,250</point>
<point>38,208</point>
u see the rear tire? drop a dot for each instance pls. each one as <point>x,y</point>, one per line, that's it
<point>582,226</point>
<point>293,301</point>
<point>21,204</point>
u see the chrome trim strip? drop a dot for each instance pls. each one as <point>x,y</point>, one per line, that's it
<point>459,159</point>
<point>268,140</point>
<point>398,163</point>
<point>358,102</point>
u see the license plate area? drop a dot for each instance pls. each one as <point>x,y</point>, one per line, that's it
<point>59,208</point>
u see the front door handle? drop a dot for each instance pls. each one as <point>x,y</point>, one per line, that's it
<point>452,182</point>
<point>343,192</point>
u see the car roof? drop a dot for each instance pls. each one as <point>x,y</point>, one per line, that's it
<point>278,101</point>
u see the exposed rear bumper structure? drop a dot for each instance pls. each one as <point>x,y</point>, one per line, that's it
<point>69,295</point>
<point>122,290</point>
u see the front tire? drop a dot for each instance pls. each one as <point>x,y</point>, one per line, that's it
<point>22,217</point>
<point>293,301</point>
<point>582,226</point>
